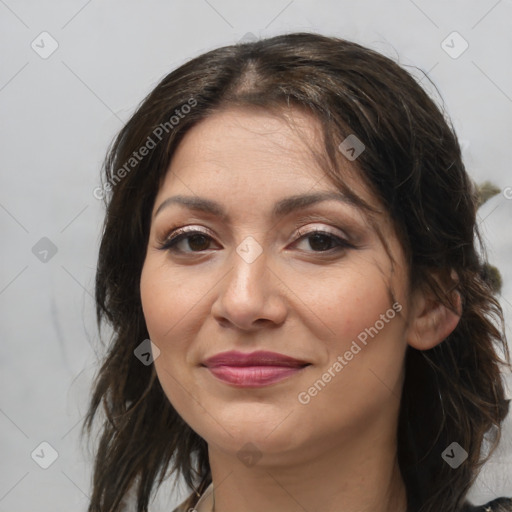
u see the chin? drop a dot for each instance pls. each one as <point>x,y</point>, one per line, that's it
<point>270,436</point>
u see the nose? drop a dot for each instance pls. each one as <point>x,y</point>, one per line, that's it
<point>250,295</point>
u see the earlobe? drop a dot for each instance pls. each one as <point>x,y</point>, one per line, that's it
<point>432,322</point>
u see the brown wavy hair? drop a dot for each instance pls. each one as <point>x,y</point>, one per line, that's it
<point>412,162</point>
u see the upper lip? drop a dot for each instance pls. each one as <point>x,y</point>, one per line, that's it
<point>258,358</point>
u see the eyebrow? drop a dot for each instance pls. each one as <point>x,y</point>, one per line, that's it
<point>281,208</point>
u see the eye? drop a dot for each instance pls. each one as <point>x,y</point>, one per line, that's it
<point>323,241</point>
<point>196,240</point>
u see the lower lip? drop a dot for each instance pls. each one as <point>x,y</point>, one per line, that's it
<point>253,376</point>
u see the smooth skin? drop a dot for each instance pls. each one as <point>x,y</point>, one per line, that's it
<point>304,296</point>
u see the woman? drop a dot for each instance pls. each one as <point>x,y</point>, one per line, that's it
<point>284,374</point>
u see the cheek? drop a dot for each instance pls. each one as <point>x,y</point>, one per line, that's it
<point>361,373</point>
<point>366,328</point>
<point>167,298</point>
<point>155,302</point>
<point>173,303</point>
<point>348,303</point>
<point>165,304</point>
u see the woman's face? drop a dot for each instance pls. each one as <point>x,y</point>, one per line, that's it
<point>255,271</point>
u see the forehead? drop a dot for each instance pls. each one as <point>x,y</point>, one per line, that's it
<point>264,150</point>
<point>256,136</point>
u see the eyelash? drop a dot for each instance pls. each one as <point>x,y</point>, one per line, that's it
<point>176,236</point>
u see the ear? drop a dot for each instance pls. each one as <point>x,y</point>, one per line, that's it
<point>430,321</point>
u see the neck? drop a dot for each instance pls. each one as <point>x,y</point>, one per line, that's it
<point>361,475</point>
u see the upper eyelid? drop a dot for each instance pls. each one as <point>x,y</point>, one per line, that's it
<point>202,229</point>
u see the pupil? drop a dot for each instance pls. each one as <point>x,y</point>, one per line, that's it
<point>199,246</point>
<point>315,238</point>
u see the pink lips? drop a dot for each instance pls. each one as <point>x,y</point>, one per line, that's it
<point>253,370</point>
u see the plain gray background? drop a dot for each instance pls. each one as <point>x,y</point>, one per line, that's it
<point>59,112</point>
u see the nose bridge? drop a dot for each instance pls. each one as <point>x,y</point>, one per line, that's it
<point>247,292</point>
<point>249,262</point>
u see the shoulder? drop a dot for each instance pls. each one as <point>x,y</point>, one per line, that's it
<point>497,505</point>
